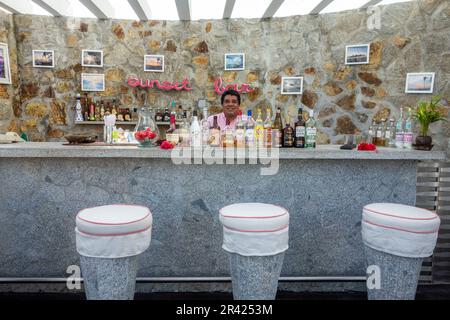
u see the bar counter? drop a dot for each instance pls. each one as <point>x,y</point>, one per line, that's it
<point>44,185</point>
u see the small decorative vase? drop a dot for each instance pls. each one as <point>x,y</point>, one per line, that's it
<point>146,131</point>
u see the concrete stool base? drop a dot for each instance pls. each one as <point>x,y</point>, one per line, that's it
<point>255,277</point>
<point>109,279</point>
<point>399,275</point>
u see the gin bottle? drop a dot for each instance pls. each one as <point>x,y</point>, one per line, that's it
<point>399,132</point>
<point>311,131</point>
<point>408,134</point>
<point>249,131</point>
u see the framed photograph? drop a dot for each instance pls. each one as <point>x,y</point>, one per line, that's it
<point>357,54</point>
<point>92,82</point>
<point>154,63</point>
<point>234,61</point>
<point>43,58</point>
<point>5,71</point>
<point>419,82</point>
<point>92,58</point>
<point>291,85</point>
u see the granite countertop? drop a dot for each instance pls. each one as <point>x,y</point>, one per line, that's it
<point>59,150</point>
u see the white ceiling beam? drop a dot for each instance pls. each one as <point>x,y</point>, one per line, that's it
<point>57,8</point>
<point>15,6</point>
<point>184,9</point>
<point>228,10</point>
<point>141,9</point>
<point>272,8</point>
<point>371,3</point>
<point>322,5</point>
<point>100,8</point>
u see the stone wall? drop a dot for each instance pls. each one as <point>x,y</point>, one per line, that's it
<point>414,37</point>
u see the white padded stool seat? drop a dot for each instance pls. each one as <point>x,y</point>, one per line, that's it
<point>113,231</point>
<point>400,229</point>
<point>254,228</point>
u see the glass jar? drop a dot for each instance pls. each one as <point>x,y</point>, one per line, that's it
<point>146,131</point>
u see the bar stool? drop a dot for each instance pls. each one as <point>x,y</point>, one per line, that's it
<point>255,235</point>
<point>109,240</point>
<point>397,237</point>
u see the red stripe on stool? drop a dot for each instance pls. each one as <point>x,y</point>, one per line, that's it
<point>114,234</point>
<point>239,230</point>
<point>399,229</point>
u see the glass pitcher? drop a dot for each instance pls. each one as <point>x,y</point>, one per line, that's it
<point>146,131</point>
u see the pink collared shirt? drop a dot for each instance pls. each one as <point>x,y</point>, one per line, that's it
<point>222,121</point>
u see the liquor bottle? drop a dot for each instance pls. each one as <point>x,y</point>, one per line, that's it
<point>205,127</point>
<point>288,135</point>
<point>133,114</point>
<point>408,134</point>
<point>127,115</point>
<point>78,110</point>
<point>268,130</point>
<point>114,109</point>
<point>171,135</point>
<point>102,110</point>
<point>214,137</point>
<point>158,115</point>
<point>228,140</point>
<point>92,111</point>
<point>277,130</point>
<point>108,109</point>
<point>399,131</point>
<point>390,135</point>
<point>311,131</point>
<point>166,116</point>
<point>185,132</point>
<point>380,133</point>
<point>300,130</point>
<point>372,132</point>
<point>259,130</point>
<point>250,130</point>
<point>240,132</point>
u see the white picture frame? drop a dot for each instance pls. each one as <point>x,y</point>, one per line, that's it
<point>234,61</point>
<point>5,70</point>
<point>92,58</point>
<point>92,82</point>
<point>154,63</point>
<point>419,82</point>
<point>291,85</point>
<point>43,58</point>
<point>357,54</point>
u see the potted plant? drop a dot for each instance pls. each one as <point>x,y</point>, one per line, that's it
<point>427,113</point>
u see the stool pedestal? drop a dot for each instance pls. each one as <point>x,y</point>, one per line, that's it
<point>109,279</point>
<point>398,275</point>
<point>255,278</point>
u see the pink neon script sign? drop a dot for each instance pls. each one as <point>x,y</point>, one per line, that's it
<point>165,85</point>
<point>245,87</point>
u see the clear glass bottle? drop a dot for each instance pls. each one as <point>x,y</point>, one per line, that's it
<point>311,131</point>
<point>372,132</point>
<point>240,132</point>
<point>205,127</point>
<point>250,130</point>
<point>259,130</point>
<point>196,132</point>
<point>379,133</point>
<point>408,133</point>
<point>228,141</point>
<point>389,140</point>
<point>399,131</point>
<point>268,136</point>
<point>185,132</point>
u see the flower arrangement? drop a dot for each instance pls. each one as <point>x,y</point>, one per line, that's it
<point>366,147</point>
<point>145,137</point>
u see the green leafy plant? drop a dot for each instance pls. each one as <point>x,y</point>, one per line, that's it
<point>429,112</point>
